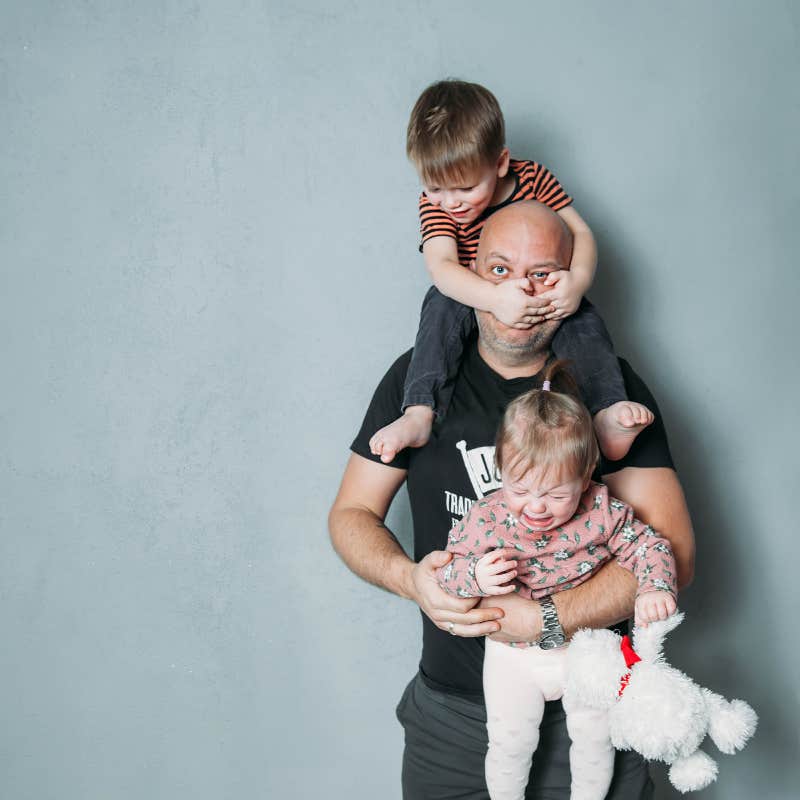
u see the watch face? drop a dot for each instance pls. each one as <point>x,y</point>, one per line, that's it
<point>552,641</point>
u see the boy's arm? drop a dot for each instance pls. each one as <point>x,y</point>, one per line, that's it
<point>509,301</point>
<point>569,286</point>
<point>370,549</point>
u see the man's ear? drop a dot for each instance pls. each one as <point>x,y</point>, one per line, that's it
<point>502,163</point>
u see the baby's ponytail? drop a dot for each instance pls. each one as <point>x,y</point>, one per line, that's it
<point>548,429</point>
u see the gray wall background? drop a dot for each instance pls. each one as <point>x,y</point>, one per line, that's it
<point>208,246</point>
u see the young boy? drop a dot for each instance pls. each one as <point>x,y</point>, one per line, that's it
<point>456,141</point>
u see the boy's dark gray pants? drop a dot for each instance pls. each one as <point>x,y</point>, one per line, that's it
<point>445,326</point>
<point>446,745</point>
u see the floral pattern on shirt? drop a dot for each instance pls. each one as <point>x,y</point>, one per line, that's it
<point>602,528</point>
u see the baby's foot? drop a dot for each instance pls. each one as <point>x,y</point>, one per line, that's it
<point>618,425</point>
<point>413,429</point>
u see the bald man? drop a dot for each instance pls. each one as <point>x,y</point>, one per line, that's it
<point>442,709</point>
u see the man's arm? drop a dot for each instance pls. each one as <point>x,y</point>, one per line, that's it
<point>608,596</point>
<point>370,549</point>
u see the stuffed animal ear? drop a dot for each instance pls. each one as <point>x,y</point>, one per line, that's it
<point>731,724</point>
<point>648,641</point>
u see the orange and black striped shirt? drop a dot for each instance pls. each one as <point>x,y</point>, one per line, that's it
<point>532,181</point>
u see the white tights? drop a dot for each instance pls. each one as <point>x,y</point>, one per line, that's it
<point>517,681</point>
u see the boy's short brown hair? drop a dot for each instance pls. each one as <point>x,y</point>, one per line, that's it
<point>456,129</point>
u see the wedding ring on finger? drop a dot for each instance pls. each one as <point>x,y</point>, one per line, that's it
<point>451,628</point>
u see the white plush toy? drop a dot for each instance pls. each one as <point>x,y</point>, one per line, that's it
<point>654,708</point>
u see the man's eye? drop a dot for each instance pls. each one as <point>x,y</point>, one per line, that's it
<point>499,270</point>
<point>540,275</point>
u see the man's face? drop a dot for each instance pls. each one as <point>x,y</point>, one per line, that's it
<point>519,247</point>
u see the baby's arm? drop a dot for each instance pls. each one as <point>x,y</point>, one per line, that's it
<point>654,605</point>
<point>569,286</point>
<point>494,573</point>
<point>649,557</point>
<point>509,300</point>
<point>479,567</point>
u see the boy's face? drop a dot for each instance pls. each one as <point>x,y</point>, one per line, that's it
<point>466,200</point>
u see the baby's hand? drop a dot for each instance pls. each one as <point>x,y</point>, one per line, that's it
<point>564,297</point>
<point>652,606</point>
<point>513,306</point>
<point>495,570</point>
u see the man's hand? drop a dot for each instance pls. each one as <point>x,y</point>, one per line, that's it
<point>565,295</point>
<point>452,614</point>
<point>512,304</point>
<point>495,570</point>
<point>522,620</point>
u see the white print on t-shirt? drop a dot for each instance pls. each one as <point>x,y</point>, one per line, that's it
<point>480,466</point>
<point>457,504</point>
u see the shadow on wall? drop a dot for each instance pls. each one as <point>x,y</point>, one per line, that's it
<point>717,647</point>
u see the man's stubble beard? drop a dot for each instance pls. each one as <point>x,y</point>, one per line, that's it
<point>517,350</point>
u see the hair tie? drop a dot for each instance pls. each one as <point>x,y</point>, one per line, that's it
<point>546,386</point>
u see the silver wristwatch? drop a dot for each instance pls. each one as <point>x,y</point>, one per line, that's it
<point>552,632</point>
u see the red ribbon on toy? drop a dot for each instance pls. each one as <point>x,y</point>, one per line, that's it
<point>631,658</point>
<point>630,654</point>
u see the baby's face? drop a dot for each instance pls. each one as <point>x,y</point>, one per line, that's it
<point>542,503</point>
<point>466,200</point>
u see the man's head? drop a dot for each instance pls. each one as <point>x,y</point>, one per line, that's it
<point>456,141</point>
<point>522,240</point>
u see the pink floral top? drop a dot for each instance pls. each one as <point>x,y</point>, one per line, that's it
<point>602,528</point>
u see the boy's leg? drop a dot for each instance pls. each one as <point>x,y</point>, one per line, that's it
<point>444,326</point>
<point>584,340</point>
<point>514,709</point>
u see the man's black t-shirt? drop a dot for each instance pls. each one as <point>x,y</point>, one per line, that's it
<point>456,468</point>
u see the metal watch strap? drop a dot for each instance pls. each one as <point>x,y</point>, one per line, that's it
<point>552,632</point>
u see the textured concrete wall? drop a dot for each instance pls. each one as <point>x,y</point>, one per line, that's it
<point>208,257</point>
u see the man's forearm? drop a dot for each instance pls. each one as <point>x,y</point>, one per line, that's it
<point>604,599</point>
<point>370,549</point>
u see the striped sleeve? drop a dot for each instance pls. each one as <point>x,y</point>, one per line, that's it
<point>536,182</point>
<point>433,221</point>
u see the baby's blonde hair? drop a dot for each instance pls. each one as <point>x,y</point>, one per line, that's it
<point>548,431</point>
<point>456,129</point>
